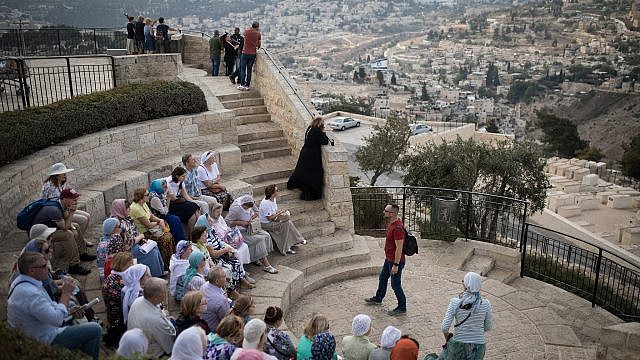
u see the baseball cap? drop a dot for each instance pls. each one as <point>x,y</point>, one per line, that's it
<point>69,194</point>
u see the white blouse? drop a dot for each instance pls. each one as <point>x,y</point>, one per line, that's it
<point>267,208</point>
<point>206,175</point>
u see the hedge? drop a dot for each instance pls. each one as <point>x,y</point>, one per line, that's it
<point>27,131</point>
<point>15,345</point>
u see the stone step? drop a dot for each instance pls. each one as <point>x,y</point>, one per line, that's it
<point>260,154</point>
<point>250,110</point>
<point>309,218</point>
<point>284,195</point>
<point>234,104</point>
<point>296,206</point>
<point>335,274</point>
<point>339,241</point>
<point>250,119</point>
<point>262,171</point>
<point>239,95</point>
<point>503,275</point>
<point>318,229</point>
<point>281,184</point>
<point>256,131</point>
<point>260,144</point>
<point>479,264</point>
<point>314,264</point>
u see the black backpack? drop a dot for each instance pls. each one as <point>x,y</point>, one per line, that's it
<point>410,246</point>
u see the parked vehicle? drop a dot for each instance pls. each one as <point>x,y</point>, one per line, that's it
<point>420,129</point>
<point>343,123</point>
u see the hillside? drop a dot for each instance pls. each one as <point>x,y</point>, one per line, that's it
<point>605,119</point>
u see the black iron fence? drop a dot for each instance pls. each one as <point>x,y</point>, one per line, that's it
<point>60,41</point>
<point>584,269</point>
<point>38,81</point>
<point>580,267</point>
<point>442,213</point>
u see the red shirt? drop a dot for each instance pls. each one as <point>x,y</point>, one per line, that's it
<point>395,231</point>
<point>251,38</point>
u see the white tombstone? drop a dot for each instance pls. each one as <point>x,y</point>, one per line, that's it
<point>590,180</point>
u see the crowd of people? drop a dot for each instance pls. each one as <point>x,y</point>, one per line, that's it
<point>142,36</point>
<point>239,54</point>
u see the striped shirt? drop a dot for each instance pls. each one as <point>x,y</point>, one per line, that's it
<point>472,331</point>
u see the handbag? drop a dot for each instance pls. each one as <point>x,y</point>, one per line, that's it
<point>254,227</point>
<point>234,238</point>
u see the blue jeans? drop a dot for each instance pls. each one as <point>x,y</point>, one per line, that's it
<point>246,67</point>
<point>396,284</point>
<point>216,65</point>
<point>86,337</point>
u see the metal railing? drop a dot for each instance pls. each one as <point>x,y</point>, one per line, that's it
<point>442,213</point>
<point>614,176</point>
<point>581,267</point>
<point>39,81</point>
<point>597,275</point>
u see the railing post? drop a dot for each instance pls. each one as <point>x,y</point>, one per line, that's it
<point>22,80</point>
<point>69,77</point>
<point>524,221</point>
<point>113,70</point>
<point>523,248</point>
<point>469,203</point>
<point>59,43</point>
<point>595,285</point>
<point>404,190</point>
<point>95,42</point>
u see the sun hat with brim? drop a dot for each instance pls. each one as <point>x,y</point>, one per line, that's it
<point>40,232</point>
<point>59,168</point>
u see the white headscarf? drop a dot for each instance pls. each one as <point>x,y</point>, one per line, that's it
<point>132,288</point>
<point>473,284</point>
<point>389,337</point>
<point>133,344</point>
<point>360,325</point>
<point>206,156</point>
<point>189,344</point>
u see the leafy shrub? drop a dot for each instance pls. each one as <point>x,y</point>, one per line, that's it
<point>18,346</point>
<point>368,204</point>
<point>27,131</point>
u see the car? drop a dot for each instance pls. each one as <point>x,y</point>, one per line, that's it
<point>343,123</point>
<point>420,129</point>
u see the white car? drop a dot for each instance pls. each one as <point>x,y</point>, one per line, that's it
<point>420,129</point>
<point>342,123</point>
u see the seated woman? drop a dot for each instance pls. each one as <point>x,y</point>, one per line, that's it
<point>324,347</point>
<point>149,257</point>
<point>134,278</point>
<point>151,226</point>
<point>133,345</point>
<point>357,346</point>
<point>277,223</point>
<point>227,336</point>
<point>240,215</point>
<point>179,264</point>
<point>388,340</point>
<point>193,278</point>
<point>309,174</point>
<point>278,343</point>
<point>223,255</point>
<point>192,306</point>
<point>180,203</point>
<point>317,325</point>
<point>52,188</point>
<point>209,176</point>
<point>229,236</point>
<point>159,205</point>
<point>244,307</point>
<point>110,244</point>
<point>112,296</point>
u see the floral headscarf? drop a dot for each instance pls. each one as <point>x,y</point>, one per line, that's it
<point>324,345</point>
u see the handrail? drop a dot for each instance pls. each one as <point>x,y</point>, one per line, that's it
<point>286,79</point>
<point>439,189</point>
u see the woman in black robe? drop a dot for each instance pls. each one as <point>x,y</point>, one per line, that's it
<point>308,175</point>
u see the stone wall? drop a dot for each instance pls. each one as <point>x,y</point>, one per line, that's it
<point>288,110</point>
<point>620,342</point>
<point>196,52</point>
<point>136,69</point>
<point>104,160</point>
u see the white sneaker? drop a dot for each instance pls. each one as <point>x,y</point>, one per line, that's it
<point>246,88</point>
<point>240,87</point>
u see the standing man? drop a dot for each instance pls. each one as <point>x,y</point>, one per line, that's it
<point>393,263</point>
<point>238,43</point>
<point>215,49</point>
<point>252,41</point>
<point>131,36</point>
<point>140,34</point>
<point>163,29</point>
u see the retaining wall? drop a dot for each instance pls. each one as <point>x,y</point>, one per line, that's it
<point>141,69</point>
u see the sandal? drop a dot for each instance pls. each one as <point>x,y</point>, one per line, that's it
<point>291,251</point>
<point>271,270</point>
<point>303,242</point>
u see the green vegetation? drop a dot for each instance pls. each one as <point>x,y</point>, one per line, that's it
<point>367,210</point>
<point>560,135</point>
<point>27,131</point>
<point>17,346</point>
<point>630,161</point>
<point>382,149</point>
<point>524,91</point>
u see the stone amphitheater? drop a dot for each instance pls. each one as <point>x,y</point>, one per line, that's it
<point>258,134</point>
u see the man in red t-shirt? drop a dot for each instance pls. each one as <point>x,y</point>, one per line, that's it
<point>252,41</point>
<point>393,262</point>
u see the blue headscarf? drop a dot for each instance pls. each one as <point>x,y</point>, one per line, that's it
<point>202,221</point>
<point>108,225</point>
<point>156,187</point>
<point>195,259</point>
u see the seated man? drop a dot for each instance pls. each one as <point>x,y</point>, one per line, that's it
<point>146,314</point>
<point>192,185</point>
<point>32,312</point>
<point>67,241</point>
<point>216,296</point>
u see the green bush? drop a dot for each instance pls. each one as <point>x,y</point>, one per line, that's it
<point>368,204</point>
<point>17,346</point>
<point>27,131</point>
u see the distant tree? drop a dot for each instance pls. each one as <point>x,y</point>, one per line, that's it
<point>492,79</point>
<point>424,96</point>
<point>383,148</point>
<point>484,92</point>
<point>630,161</point>
<point>356,78</point>
<point>368,59</point>
<point>560,135</point>
<point>319,75</point>
<point>554,43</point>
<point>380,77</point>
<point>361,74</point>
<point>393,79</point>
<point>492,127</point>
<point>590,153</point>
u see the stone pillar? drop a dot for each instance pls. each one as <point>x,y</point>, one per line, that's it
<point>621,341</point>
<point>142,69</point>
<point>196,52</point>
